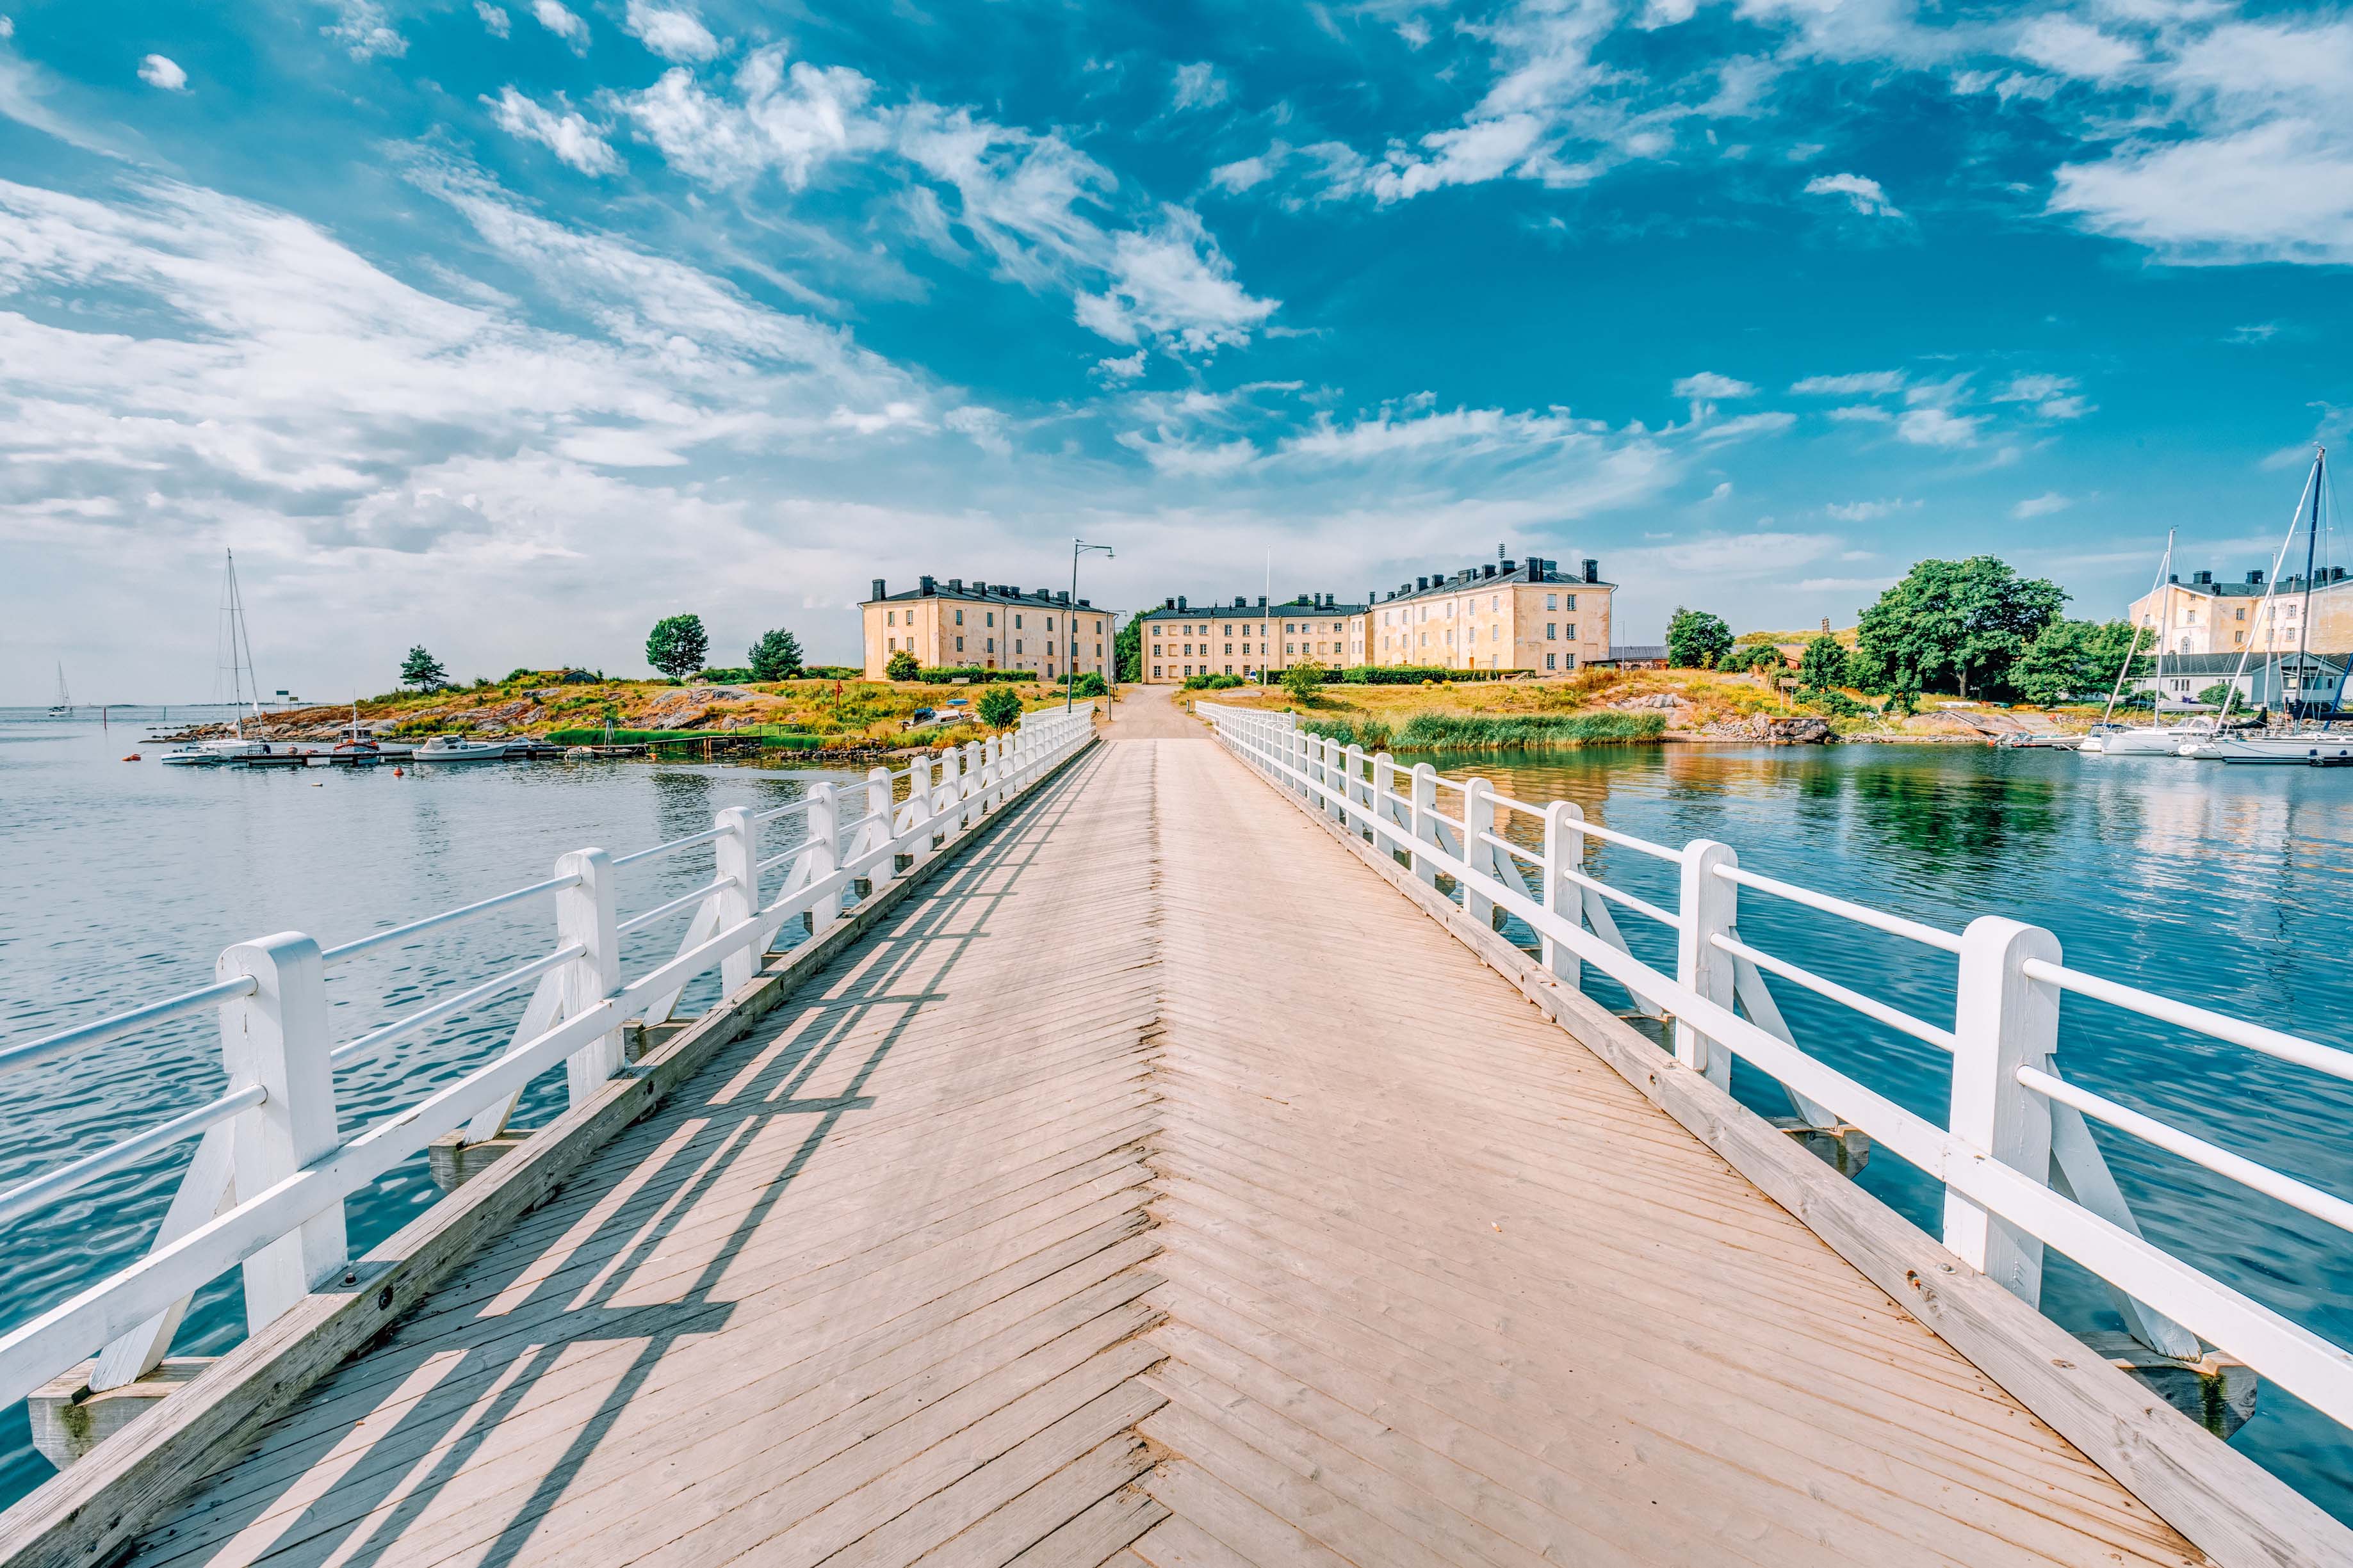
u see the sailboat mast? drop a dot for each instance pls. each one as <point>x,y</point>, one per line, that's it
<point>2311,548</point>
<point>2132,643</point>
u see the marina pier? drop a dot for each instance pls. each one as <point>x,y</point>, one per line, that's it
<point>1178,1140</point>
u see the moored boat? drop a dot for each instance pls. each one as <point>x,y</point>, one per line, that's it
<point>459,748</point>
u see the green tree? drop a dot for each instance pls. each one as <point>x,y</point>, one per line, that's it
<point>1304,681</point>
<point>1127,649</point>
<point>1091,684</point>
<point>1962,622</point>
<point>1000,706</point>
<point>1824,664</point>
<point>902,666</point>
<point>678,645</point>
<point>2217,694</point>
<point>1696,640</point>
<point>422,670</point>
<point>776,656</point>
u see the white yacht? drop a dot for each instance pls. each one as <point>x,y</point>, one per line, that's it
<point>2157,738</point>
<point>459,748</point>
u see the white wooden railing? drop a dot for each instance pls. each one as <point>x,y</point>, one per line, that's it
<point>2018,1167</point>
<point>265,1188</point>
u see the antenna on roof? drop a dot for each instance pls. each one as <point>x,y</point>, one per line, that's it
<point>1501,552</point>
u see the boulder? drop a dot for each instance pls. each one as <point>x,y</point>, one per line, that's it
<point>1803,731</point>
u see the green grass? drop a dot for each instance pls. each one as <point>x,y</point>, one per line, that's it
<point>788,739</point>
<point>1489,732</point>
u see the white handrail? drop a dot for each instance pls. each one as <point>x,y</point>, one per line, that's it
<point>281,1219</point>
<point>2001,1210</point>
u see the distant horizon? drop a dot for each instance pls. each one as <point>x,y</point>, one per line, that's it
<point>510,328</point>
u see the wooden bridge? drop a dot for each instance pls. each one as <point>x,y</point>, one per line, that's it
<point>1173,1179</point>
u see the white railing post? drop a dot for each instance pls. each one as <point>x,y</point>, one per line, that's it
<point>822,852</point>
<point>1564,850</point>
<point>278,1038</point>
<point>736,856</point>
<point>992,792</point>
<point>2003,1020</point>
<point>1478,817</point>
<point>1709,906</point>
<point>584,914</point>
<point>919,810</point>
<point>975,787</point>
<point>878,799</point>
<point>1424,823</point>
<point>1355,764</point>
<point>1384,787</point>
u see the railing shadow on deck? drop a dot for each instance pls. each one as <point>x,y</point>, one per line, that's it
<point>727,1117</point>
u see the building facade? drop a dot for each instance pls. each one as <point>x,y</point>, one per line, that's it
<point>1496,615</point>
<point>2201,616</point>
<point>2272,680</point>
<point>948,623</point>
<point>1246,638</point>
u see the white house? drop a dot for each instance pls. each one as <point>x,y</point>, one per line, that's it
<point>2269,680</point>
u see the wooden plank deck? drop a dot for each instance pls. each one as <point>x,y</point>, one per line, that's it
<point>1161,1190</point>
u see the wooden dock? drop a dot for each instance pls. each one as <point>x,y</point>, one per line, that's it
<point>1127,1200</point>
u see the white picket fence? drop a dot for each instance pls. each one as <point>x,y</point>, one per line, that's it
<point>265,1188</point>
<point>2018,1163</point>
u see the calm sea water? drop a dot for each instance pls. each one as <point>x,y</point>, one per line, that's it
<point>2228,887</point>
<point>2223,886</point>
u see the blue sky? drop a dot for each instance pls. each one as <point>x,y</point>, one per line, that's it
<point>508,327</point>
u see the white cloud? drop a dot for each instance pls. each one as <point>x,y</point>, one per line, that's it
<point>2053,397</point>
<point>1867,510</point>
<point>1199,86</point>
<point>2041,505</point>
<point>1117,370</point>
<point>1707,385</point>
<point>1242,174</point>
<point>2256,332</point>
<point>361,27</point>
<point>1175,454</point>
<point>1858,384</point>
<point>8,28</point>
<point>792,119</point>
<point>1863,414</point>
<point>2076,48</point>
<point>494,18</point>
<point>2277,192</point>
<point>1939,428</point>
<point>554,15</point>
<point>155,71</point>
<point>673,32</point>
<point>1862,193</point>
<point>563,130</point>
<point>1175,284</point>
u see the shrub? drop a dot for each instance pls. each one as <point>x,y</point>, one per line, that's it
<point>1000,707</point>
<point>1836,703</point>
<point>1304,681</point>
<point>1209,682</point>
<point>1091,684</point>
<point>2217,694</point>
<point>902,666</point>
<point>832,672</point>
<point>725,675</point>
<point>941,674</point>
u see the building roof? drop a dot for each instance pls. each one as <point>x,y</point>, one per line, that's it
<point>1641,651</point>
<point>1238,608</point>
<point>1484,575</point>
<point>2227,663</point>
<point>957,588</point>
<point>2254,587</point>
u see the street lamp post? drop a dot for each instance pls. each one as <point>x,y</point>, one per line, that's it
<point>1070,666</point>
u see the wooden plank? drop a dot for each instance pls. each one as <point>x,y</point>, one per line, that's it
<point>2230,1507</point>
<point>1100,1536</point>
<point>130,1482</point>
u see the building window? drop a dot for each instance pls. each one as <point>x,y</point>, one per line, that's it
<point>1050,623</point>
<point>1229,670</point>
<point>1572,602</point>
<point>1017,622</point>
<point>1290,647</point>
<point>959,617</point>
<point>989,646</point>
<point>959,645</point>
<point>1552,631</point>
<point>1552,601</point>
<point>1571,661</point>
<point>1572,631</point>
<point>1229,648</point>
<point>1017,641</point>
<point>1552,661</point>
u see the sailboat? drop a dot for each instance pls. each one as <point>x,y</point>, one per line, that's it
<point>233,669</point>
<point>2109,739</point>
<point>2308,739</point>
<point>63,707</point>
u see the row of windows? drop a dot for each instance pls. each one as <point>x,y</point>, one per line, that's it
<point>890,618</point>
<point>1552,661</point>
<point>1294,649</point>
<point>1289,627</point>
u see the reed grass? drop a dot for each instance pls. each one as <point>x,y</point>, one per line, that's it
<point>1490,732</point>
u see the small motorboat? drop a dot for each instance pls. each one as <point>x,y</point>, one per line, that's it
<point>190,757</point>
<point>458,748</point>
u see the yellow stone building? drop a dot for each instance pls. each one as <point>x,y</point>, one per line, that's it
<point>1243,638</point>
<point>2201,616</point>
<point>1497,614</point>
<point>986,625</point>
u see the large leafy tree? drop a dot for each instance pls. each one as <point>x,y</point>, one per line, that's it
<point>776,656</point>
<point>678,645</point>
<point>2073,658</point>
<point>1127,648</point>
<point>1696,639</point>
<point>1956,623</point>
<point>1824,666</point>
<point>422,670</point>
<point>902,666</point>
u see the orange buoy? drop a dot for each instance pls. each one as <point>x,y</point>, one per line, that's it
<point>131,758</point>
<point>396,772</point>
